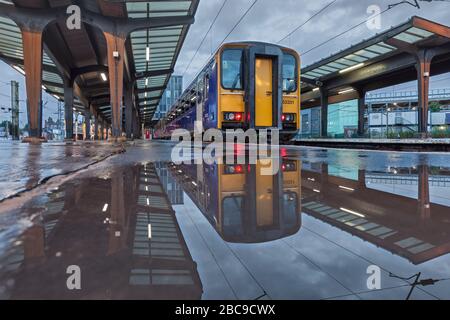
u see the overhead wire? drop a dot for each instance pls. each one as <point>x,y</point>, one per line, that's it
<point>205,36</point>
<point>308,20</point>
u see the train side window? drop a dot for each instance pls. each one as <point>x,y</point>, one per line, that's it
<point>290,73</point>
<point>232,66</point>
<point>206,86</point>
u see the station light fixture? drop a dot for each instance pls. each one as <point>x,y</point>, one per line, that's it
<point>316,89</point>
<point>146,82</point>
<point>104,77</point>
<point>357,66</point>
<point>346,91</point>
<point>19,69</point>
<point>44,87</point>
<point>147,53</point>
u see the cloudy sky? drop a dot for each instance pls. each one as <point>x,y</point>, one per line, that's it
<point>270,21</point>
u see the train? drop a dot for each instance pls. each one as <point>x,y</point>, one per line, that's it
<point>246,85</point>
<point>242,204</point>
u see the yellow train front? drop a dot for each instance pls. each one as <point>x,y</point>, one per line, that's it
<point>246,85</point>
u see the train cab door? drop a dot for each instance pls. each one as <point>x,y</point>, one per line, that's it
<point>264,197</point>
<point>263,92</point>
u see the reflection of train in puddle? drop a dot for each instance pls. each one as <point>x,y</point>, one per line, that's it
<point>242,203</point>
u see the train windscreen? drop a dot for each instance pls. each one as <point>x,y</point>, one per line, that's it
<point>232,65</point>
<point>289,73</point>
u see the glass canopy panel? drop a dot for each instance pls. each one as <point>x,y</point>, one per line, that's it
<point>313,74</point>
<point>337,65</point>
<point>346,62</point>
<point>356,58</point>
<point>10,39</point>
<point>409,38</point>
<point>379,49</point>
<point>323,71</point>
<point>158,8</point>
<point>306,75</point>
<point>329,68</point>
<point>367,54</point>
<point>420,32</point>
<point>51,77</point>
<point>162,43</point>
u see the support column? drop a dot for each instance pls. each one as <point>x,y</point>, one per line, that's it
<point>96,136</point>
<point>116,52</point>
<point>32,54</point>
<point>87,120</point>
<point>136,127</point>
<point>68,108</point>
<point>15,110</point>
<point>424,58</point>
<point>362,179</point>
<point>361,111</point>
<point>324,188</point>
<point>324,112</point>
<point>129,112</point>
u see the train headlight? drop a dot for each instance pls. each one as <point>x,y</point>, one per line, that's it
<point>288,117</point>
<point>234,169</point>
<point>233,116</point>
<point>288,166</point>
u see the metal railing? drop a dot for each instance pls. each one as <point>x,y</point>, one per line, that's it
<point>406,96</point>
<point>435,181</point>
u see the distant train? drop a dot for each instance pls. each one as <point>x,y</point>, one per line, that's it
<point>247,85</point>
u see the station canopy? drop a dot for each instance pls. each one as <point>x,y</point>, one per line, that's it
<point>417,32</point>
<point>151,53</point>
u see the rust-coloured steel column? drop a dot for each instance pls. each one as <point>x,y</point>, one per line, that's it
<point>424,58</point>
<point>424,192</point>
<point>129,111</point>
<point>117,240</point>
<point>32,54</point>
<point>116,52</point>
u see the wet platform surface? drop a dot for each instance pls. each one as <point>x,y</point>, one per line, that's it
<point>142,227</point>
<point>23,166</point>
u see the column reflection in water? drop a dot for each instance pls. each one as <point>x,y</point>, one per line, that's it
<point>376,209</point>
<point>95,223</point>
